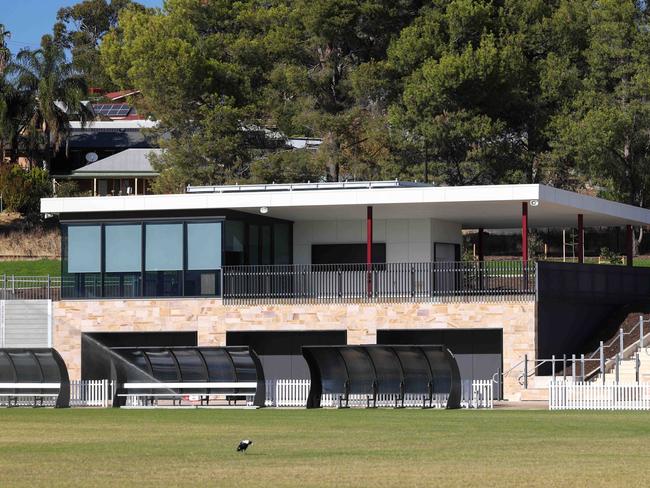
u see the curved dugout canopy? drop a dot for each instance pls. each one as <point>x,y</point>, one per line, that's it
<point>186,364</point>
<point>373,370</point>
<point>34,372</point>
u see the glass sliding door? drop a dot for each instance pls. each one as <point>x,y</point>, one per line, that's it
<point>163,260</point>
<point>123,260</point>
<point>82,261</point>
<point>203,272</point>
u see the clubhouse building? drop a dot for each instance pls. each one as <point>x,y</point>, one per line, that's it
<point>277,267</point>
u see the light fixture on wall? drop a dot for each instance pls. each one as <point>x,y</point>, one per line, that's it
<point>264,210</point>
<point>534,203</point>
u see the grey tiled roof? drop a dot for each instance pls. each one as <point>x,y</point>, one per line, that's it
<point>129,161</point>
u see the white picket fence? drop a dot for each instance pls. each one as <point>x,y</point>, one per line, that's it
<point>95,393</point>
<point>596,396</point>
<point>294,393</point>
<point>91,393</point>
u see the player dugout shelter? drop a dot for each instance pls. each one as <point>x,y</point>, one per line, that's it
<point>177,371</point>
<point>426,371</point>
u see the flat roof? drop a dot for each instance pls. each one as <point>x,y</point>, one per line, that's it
<point>489,206</point>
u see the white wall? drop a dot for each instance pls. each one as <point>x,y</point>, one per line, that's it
<point>407,240</point>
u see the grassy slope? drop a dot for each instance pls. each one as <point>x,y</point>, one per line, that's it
<point>40,267</point>
<point>322,448</point>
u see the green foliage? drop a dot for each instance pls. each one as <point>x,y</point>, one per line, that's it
<point>610,256</point>
<point>466,91</point>
<point>67,188</point>
<point>22,190</point>
<point>82,27</point>
<point>288,167</point>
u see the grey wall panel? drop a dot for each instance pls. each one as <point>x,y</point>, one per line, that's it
<point>27,323</point>
<point>285,366</point>
<point>478,352</point>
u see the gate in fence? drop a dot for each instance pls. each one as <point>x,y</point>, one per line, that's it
<point>294,393</point>
<point>596,396</point>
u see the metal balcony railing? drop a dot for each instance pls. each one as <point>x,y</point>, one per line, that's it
<point>397,282</point>
<point>30,287</point>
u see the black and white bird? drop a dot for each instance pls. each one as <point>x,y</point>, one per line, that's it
<point>243,445</point>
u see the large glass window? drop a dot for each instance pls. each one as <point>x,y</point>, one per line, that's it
<point>282,244</point>
<point>84,249</point>
<point>203,277</point>
<point>203,245</point>
<point>163,260</point>
<point>164,247</point>
<point>82,261</point>
<point>234,238</point>
<point>123,260</point>
<point>123,248</point>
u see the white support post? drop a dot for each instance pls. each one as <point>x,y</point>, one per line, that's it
<point>640,331</point>
<point>602,361</point>
<point>620,341</point>
<point>573,367</point>
<point>553,368</point>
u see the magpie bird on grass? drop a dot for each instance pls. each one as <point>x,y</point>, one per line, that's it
<point>243,445</point>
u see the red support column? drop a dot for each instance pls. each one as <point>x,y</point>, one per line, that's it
<point>629,245</point>
<point>481,253</point>
<point>524,231</point>
<point>369,248</point>
<point>581,239</point>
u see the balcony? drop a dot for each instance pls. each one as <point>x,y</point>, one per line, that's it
<point>390,282</point>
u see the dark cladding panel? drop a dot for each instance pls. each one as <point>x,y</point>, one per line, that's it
<point>280,351</point>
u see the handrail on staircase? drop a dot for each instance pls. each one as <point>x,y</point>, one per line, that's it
<point>531,366</point>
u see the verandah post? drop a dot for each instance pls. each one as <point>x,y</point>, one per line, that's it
<point>369,248</point>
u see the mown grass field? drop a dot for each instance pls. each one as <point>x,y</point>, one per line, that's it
<point>37,267</point>
<point>323,448</point>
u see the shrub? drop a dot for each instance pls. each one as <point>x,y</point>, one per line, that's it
<point>67,188</point>
<point>606,254</point>
<point>22,190</point>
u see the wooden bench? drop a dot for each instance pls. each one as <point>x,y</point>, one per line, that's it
<point>37,397</point>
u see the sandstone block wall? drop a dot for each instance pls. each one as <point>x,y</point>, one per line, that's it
<point>211,319</point>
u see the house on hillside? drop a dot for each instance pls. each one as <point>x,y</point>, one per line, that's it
<point>128,172</point>
<point>277,267</point>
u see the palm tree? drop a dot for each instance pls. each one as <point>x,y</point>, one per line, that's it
<point>55,91</point>
<point>5,54</point>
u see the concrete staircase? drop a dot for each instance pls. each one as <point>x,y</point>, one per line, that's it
<point>627,370</point>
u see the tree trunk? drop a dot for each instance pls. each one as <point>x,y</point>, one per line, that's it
<point>637,242</point>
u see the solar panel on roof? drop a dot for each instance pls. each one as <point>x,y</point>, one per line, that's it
<point>112,109</point>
